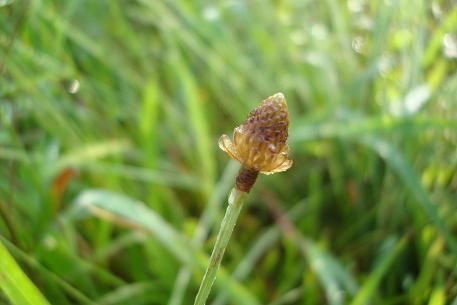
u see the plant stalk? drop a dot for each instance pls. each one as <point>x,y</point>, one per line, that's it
<point>235,201</point>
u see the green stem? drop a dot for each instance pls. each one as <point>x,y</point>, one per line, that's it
<point>235,201</point>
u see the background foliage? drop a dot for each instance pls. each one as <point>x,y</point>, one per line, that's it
<point>112,184</point>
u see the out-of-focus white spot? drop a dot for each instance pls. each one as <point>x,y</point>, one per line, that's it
<point>358,44</point>
<point>317,263</point>
<point>412,102</point>
<point>436,9</point>
<point>355,6</point>
<point>319,31</point>
<point>315,59</point>
<point>384,65</point>
<point>211,13</point>
<point>450,45</point>
<point>74,87</point>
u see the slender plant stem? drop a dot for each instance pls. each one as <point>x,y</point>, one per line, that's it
<point>235,201</point>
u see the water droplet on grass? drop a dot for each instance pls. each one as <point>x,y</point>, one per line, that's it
<point>355,6</point>
<point>211,13</point>
<point>358,44</point>
<point>450,45</point>
<point>319,31</point>
<point>74,87</point>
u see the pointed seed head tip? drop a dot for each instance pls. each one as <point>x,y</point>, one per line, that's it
<point>279,97</point>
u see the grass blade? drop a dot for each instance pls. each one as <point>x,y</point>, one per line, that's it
<point>121,208</point>
<point>399,164</point>
<point>369,287</point>
<point>332,275</point>
<point>15,284</point>
<point>393,157</point>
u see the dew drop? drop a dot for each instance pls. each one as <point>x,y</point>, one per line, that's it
<point>211,13</point>
<point>319,31</point>
<point>355,6</point>
<point>74,87</point>
<point>384,65</point>
<point>436,9</point>
<point>450,45</point>
<point>357,44</point>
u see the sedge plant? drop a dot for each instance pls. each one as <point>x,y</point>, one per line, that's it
<point>260,145</point>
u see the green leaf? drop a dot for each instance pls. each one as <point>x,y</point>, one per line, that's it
<point>333,277</point>
<point>114,206</point>
<point>15,284</point>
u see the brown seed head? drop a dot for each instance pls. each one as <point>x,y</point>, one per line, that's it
<point>259,144</point>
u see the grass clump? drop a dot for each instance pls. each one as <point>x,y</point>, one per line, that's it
<point>110,112</point>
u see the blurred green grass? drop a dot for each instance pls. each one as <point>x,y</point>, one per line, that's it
<point>111,181</point>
